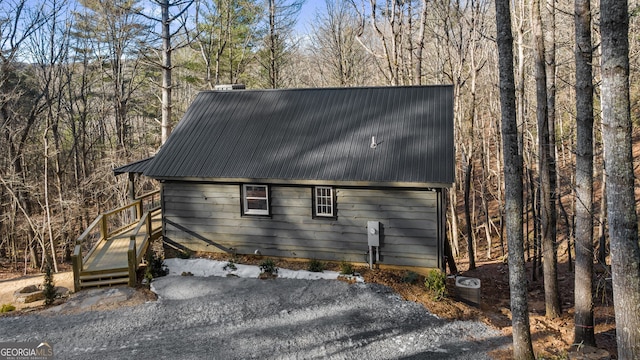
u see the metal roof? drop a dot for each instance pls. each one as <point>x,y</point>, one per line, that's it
<point>136,167</point>
<point>317,135</point>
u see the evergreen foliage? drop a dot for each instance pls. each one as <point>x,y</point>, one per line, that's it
<point>435,282</point>
<point>48,286</point>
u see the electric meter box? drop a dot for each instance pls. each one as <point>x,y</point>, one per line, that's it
<point>373,233</point>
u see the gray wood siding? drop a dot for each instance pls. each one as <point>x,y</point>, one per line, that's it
<point>207,217</point>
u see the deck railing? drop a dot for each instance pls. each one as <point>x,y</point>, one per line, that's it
<point>132,253</point>
<point>150,201</point>
<point>110,223</point>
<point>135,251</point>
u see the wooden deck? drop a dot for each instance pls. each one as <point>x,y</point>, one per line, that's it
<point>117,242</point>
<point>112,253</point>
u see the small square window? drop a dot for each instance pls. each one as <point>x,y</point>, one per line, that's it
<point>323,201</point>
<point>255,199</point>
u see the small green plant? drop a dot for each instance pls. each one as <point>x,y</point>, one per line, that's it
<point>346,268</point>
<point>268,267</point>
<point>315,266</point>
<point>155,266</point>
<point>7,308</point>
<point>230,266</point>
<point>435,284</point>
<point>410,277</point>
<point>48,286</point>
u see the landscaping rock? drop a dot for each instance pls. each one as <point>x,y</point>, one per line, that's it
<point>35,293</point>
<point>29,294</point>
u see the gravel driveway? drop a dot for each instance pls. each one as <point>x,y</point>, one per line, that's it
<point>243,318</point>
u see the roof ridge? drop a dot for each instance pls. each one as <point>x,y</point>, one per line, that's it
<point>331,88</point>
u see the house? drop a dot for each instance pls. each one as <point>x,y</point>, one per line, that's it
<point>330,174</point>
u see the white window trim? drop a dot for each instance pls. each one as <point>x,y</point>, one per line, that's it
<point>245,202</point>
<point>316,203</point>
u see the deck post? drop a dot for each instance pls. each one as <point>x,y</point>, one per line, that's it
<point>132,260</point>
<point>103,228</point>
<point>149,230</point>
<point>138,209</point>
<point>76,260</point>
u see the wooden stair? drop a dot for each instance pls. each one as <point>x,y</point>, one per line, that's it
<point>102,279</point>
<point>117,241</point>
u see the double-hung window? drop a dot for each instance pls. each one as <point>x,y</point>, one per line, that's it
<point>255,199</point>
<point>324,201</point>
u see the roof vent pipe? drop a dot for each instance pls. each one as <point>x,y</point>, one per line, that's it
<point>374,144</point>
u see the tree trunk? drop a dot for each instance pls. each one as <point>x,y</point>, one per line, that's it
<point>602,222</point>
<point>273,68</point>
<point>536,225</point>
<point>622,217</point>
<point>547,208</point>
<point>467,214</point>
<point>569,225</point>
<point>166,72</point>
<point>521,98</point>
<point>584,332</point>
<point>522,347</point>
<point>551,111</point>
<point>528,201</point>
<point>417,74</point>
<point>453,269</point>
<point>47,205</point>
<point>488,222</point>
<point>453,199</point>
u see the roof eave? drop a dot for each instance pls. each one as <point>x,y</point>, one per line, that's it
<point>355,183</point>
<point>138,167</point>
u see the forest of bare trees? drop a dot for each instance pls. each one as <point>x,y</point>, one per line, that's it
<point>540,106</point>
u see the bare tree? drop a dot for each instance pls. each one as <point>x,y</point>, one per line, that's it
<point>475,23</point>
<point>49,49</point>
<point>522,347</point>
<point>277,44</point>
<point>391,39</point>
<point>547,201</point>
<point>167,17</point>
<point>20,106</point>
<point>621,204</point>
<point>422,34</point>
<point>584,324</point>
<point>117,36</point>
<point>338,57</point>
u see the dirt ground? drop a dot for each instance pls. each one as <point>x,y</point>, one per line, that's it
<point>12,281</point>
<point>552,338</point>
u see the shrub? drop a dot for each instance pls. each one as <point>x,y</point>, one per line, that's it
<point>155,266</point>
<point>435,284</point>
<point>315,266</point>
<point>268,267</point>
<point>48,286</point>
<point>410,277</point>
<point>230,266</point>
<point>7,308</point>
<point>346,268</point>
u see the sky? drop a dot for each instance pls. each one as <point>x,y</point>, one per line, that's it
<point>307,14</point>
